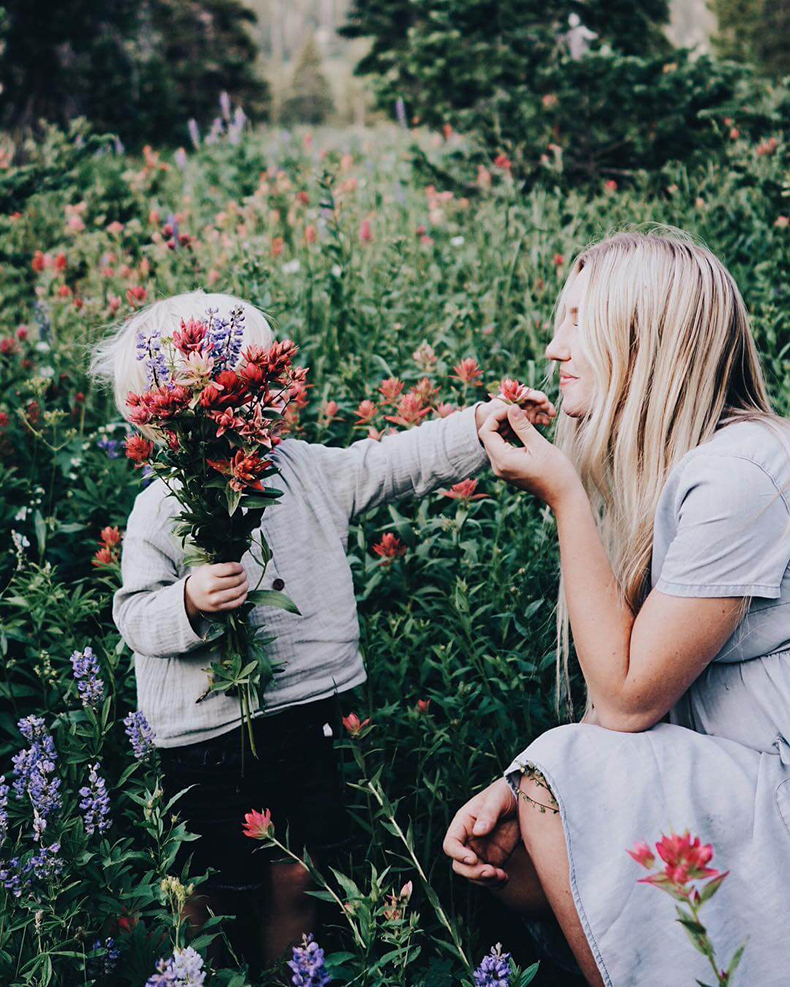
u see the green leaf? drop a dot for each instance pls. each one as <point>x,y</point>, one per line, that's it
<point>234,499</point>
<point>273,598</point>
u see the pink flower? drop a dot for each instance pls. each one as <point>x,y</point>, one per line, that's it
<point>191,337</point>
<point>559,260</point>
<point>611,185</point>
<point>643,855</point>
<point>444,410</point>
<point>136,296</point>
<point>464,491</point>
<point>424,357</point>
<point>390,547</point>
<point>468,372</point>
<point>503,161</point>
<point>423,705</point>
<point>258,825</point>
<point>329,411</point>
<point>365,231</point>
<point>139,449</point>
<point>354,726</point>
<point>390,389</point>
<point>411,410</point>
<point>115,228</point>
<point>366,412</point>
<point>512,392</point>
<point>782,222</point>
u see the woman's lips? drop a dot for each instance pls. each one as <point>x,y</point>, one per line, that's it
<point>566,379</point>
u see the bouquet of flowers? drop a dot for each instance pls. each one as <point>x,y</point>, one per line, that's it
<point>219,413</point>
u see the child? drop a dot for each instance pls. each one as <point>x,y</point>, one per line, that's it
<point>159,608</point>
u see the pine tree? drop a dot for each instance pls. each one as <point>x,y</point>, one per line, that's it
<point>756,31</point>
<point>308,99</point>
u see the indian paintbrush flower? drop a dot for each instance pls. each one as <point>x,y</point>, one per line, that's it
<point>390,547</point>
<point>464,491</point>
<point>354,726</point>
<point>258,825</point>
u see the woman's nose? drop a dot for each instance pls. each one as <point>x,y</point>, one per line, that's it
<point>558,349</point>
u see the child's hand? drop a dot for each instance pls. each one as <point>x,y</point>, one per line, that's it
<point>222,586</point>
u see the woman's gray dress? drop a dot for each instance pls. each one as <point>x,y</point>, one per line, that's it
<point>721,766</point>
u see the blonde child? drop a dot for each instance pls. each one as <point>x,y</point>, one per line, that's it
<point>159,612</point>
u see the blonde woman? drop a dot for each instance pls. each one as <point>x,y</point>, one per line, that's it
<point>670,485</point>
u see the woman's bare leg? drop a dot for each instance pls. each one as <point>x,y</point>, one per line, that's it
<point>544,839</point>
<point>287,912</point>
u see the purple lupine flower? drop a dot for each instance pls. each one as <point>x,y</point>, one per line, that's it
<point>181,158</point>
<point>110,958</point>
<point>149,348</point>
<point>494,971</point>
<point>10,877</point>
<point>308,964</point>
<point>42,867</point>
<point>95,803</point>
<point>218,333</point>
<point>194,133</point>
<point>235,335</point>
<point>215,131</point>
<point>4,790</point>
<point>110,446</point>
<point>224,105</point>
<point>236,127</point>
<point>183,969</point>
<point>86,672</point>
<point>33,768</point>
<point>400,113</point>
<point>140,734</point>
<point>118,146</point>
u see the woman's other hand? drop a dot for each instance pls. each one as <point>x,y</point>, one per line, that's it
<point>212,588</point>
<point>534,464</point>
<point>483,835</point>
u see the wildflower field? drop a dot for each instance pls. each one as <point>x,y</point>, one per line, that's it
<point>413,281</point>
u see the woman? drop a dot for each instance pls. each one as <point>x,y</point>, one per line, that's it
<point>670,486</point>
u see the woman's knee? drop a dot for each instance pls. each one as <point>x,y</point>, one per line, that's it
<point>289,882</point>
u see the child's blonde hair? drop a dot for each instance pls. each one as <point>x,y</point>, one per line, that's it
<point>115,363</point>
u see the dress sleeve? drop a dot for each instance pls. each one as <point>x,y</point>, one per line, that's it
<point>149,609</point>
<point>412,462</point>
<point>733,531</point>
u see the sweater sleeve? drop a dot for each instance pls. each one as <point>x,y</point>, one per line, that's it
<point>413,462</point>
<point>149,609</point>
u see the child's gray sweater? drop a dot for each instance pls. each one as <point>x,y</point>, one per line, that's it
<point>307,531</point>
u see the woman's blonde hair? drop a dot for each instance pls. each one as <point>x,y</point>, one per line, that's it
<point>667,335</point>
<point>114,360</point>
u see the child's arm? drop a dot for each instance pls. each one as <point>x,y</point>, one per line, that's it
<point>157,613</point>
<point>413,462</point>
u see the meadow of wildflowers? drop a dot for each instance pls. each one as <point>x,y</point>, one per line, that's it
<point>408,300</point>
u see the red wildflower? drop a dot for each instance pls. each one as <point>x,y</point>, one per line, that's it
<point>354,726</point>
<point>244,469</point>
<point>329,411</point>
<point>22,332</point>
<point>226,420</point>
<point>643,855</point>
<point>64,291</point>
<point>136,296</point>
<point>258,825</point>
<point>427,390</point>
<point>139,449</point>
<point>559,260</point>
<point>276,359</point>
<point>503,161</point>
<point>278,244</point>
<point>366,412</point>
<point>104,556</point>
<point>8,345</point>
<point>423,705</point>
<point>390,389</point>
<point>465,491</point>
<point>390,547</point>
<point>468,372</point>
<point>512,392</point>
<point>303,198</point>
<point>4,419</point>
<point>39,262</point>
<point>60,262</point>
<point>411,411</point>
<point>767,147</point>
<point>365,231</point>
<point>191,338</point>
<point>685,858</point>
<point>167,402</point>
<point>226,390</point>
<point>111,536</point>
<point>310,234</point>
<point>444,410</point>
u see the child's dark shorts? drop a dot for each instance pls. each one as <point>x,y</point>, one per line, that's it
<point>296,776</point>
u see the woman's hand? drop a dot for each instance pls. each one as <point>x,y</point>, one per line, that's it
<point>210,588</point>
<point>483,835</point>
<point>535,465</point>
<point>538,409</point>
